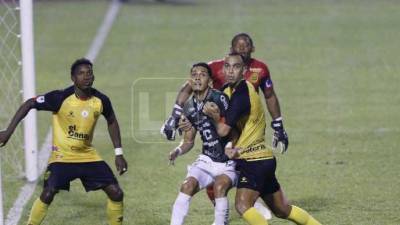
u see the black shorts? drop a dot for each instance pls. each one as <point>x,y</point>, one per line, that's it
<point>258,176</point>
<point>93,175</point>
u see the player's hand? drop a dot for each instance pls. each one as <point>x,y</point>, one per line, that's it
<point>173,155</point>
<point>212,110</point>
<point>168,129</point>
<point>184,124</point>
<point>4,137</point>
<point>121,164</point>
<point>280,138</point>
<point>231,152</point>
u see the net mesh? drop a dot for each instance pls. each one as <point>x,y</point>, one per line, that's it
<point>10,92</point>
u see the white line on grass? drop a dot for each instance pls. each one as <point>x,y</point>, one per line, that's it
<point>14,214</point>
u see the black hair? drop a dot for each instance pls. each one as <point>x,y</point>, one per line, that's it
<point>205,65</point>
<point>78,62</point>
<point>237,36</point>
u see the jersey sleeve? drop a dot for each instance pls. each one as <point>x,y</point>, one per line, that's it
<point>50,101</point>
<point>265,81</point>
<point>108,110</point>
<point>239,105</point>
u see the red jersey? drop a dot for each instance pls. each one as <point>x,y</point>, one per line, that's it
<point>256,73</point>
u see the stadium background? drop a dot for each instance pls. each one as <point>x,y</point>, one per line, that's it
<point>335,69</point>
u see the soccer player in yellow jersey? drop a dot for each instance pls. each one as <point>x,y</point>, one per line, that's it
<point>255,161</point>
<point>75,113</point>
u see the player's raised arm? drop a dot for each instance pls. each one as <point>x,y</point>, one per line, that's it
<point>169,127</point>
<point>271,99</point>
<point>19,115</point>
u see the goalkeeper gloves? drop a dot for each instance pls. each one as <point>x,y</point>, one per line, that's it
<point>168,129</point>
<point>280,136</point>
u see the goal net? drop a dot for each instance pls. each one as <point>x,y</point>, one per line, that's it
<point>12,155</point>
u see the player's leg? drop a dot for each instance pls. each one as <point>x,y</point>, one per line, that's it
<point>40,206</point>
<point>180,209</point>
<point>282,209</point>
<point>222,185</point>
<point>115,204</point>
<point>98,175</point>
<point>244,202</point>
<point>210,193</point>
<point>57,177</point>
<point>197,179</point>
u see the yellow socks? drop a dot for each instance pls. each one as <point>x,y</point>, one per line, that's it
<point>253,217</point>
<point>301,217</point>
<point>114,212</point>
<point>38,212</point>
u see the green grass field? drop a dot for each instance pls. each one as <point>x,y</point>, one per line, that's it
<point>335,70</point>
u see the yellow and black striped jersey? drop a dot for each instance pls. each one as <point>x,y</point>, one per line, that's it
<point>246,114</point>
<point>74,120</point>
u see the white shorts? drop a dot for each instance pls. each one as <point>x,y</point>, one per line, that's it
<point>205,170</point>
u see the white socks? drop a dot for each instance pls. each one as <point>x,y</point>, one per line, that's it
<point>180,209</point>
<point>265,211</point>
<point>221,211</point>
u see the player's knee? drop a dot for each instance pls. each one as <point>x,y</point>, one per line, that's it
<point>115,193</point>
<point>220,189</point>
<point>281,212</point>
<point>241,207</point>
<point>47,195</point>
<point>189,186</point>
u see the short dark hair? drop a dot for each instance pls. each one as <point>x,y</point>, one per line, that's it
<point>205,65</point>
<point>240,35</point>
<point>78,62</point>
<point>236,54</point>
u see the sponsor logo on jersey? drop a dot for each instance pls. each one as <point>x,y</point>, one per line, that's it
<point>40,99</point>
<point>72,133</point>
<point>224,101</point>
<point>254,77</point>
<point>71,114</point>
<point>255,70</point>
<point>268,83</point>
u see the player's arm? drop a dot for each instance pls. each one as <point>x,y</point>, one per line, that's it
<point>239,106</point>
<point>51,101</point>
<point>115,135</point>
<point>19,115</point>
<point>185,146</point>
<point>280,136</point>
<point>170,125</point>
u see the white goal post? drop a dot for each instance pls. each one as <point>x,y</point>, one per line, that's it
<point>28,84</point>
<point>17,55</point>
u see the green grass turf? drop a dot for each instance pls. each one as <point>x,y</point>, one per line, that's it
<point>334,66</point>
